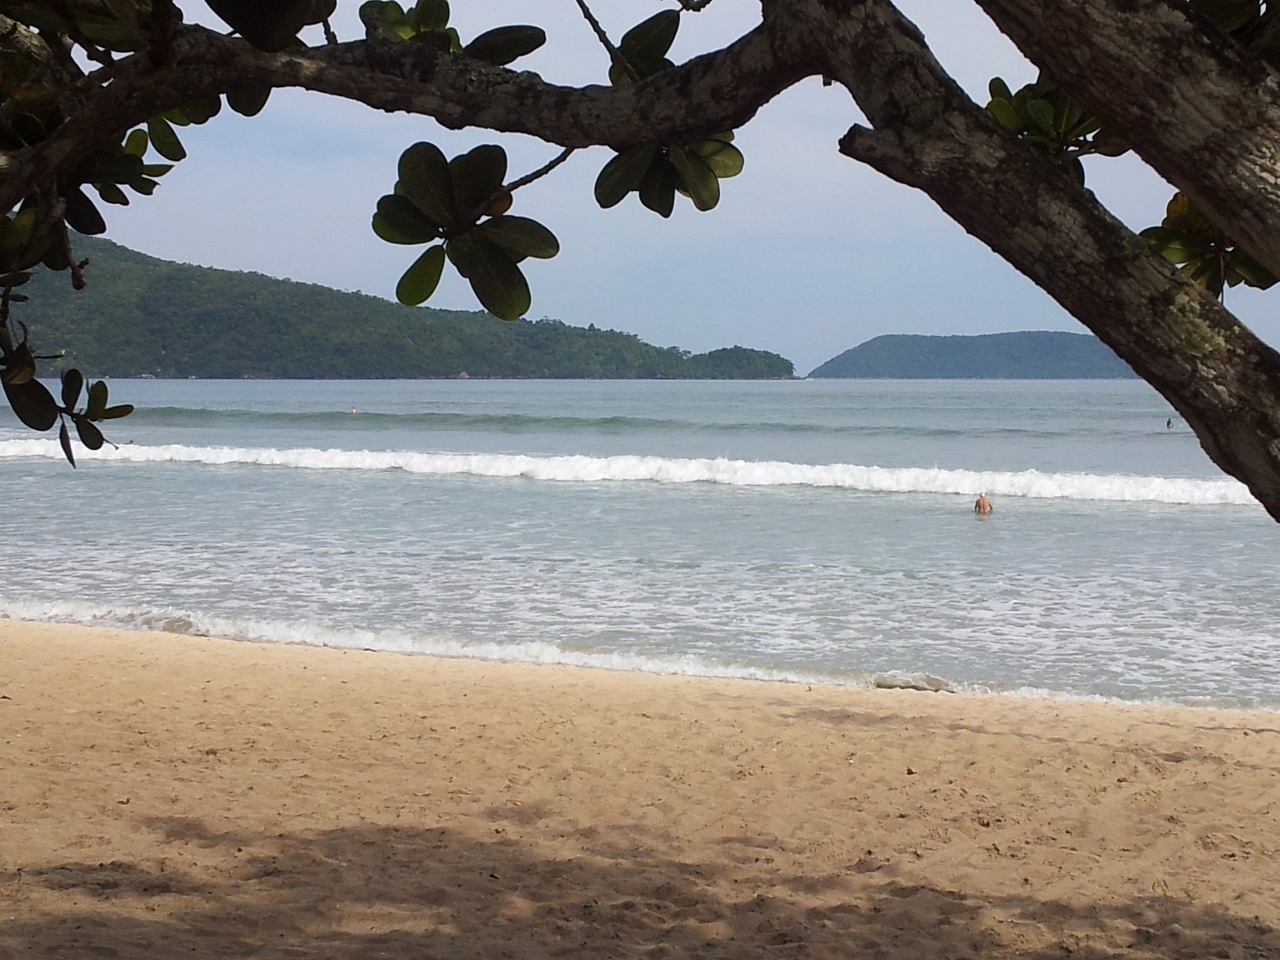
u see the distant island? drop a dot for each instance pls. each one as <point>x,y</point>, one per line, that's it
<point>141,316</point>
<point>1029,355</point>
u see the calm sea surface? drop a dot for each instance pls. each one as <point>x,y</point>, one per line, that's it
<point>808,530</point>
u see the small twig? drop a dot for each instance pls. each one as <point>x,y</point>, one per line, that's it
<point>77,269</point>
<point>615,55</point>
<point>330,37</point>
<point>542,171</point>
<point>509,188</point>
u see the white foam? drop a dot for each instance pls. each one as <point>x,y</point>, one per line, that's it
<point>739,473</point>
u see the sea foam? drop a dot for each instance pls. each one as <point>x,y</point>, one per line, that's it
<point>1031,484</point>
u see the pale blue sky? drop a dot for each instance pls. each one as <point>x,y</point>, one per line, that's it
<point>807,254</point>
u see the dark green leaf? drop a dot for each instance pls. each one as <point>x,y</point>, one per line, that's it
<point>116,412</point>
<point>623,174</point>
<point>423,276</point>
<point>29,128</point>
<point>1251,271</point>
<point>52,254</point>
<point>201,111</point>
<point>398,220</point>
<point>425,179</point>
<point>1176,246</point>
<point>658,188</point>
<point>64,439</point>
<point>1040,113</point>
<point>248,103</point>
<point>724,159</point>
<point>477,176</point>
<point>1066,113</point>
<point>1084,127</point>
<point>269,26</point>
<point>165,140</point>
<point>89,435</point>
<point>321,10</point>
<point>521,236</point>
<point>72,384</point>
<point>97,400</point>
<point>16,231</point>
<point>82,215</point>
<point>503,44</point>
<point>998,89</point>
<point>494,277</point>
<point>124,12</point>
<point>646,44</point>
<point>696,177</point>
<point>110,34</point>
<point>110,193</point>
<point>136,143</point>
<point>33,403</point>
<point>431,14</point>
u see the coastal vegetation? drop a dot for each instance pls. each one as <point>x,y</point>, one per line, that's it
<point>148,317</point>
<point>1025,355</point>
<point>95,92</point>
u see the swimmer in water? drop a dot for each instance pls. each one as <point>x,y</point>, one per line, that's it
<point>982,506</point>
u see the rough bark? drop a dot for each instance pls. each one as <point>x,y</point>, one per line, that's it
<point>1191,102</point>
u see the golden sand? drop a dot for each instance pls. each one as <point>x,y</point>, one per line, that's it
<point>165,796</point>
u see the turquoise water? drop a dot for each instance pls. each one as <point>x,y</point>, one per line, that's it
<point>801,530</point>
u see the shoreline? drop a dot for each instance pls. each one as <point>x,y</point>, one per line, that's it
<point>169,794</point>
<point>919,682</point>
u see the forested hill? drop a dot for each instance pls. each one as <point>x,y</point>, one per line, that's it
<point>140,316</point>
<point>1029,355</point>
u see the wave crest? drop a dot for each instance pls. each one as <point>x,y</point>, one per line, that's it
<point>1031,484</point>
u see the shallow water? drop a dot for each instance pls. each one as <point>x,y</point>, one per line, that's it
<point>803,530</point>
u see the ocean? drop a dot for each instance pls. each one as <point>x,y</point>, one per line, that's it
<point>812,531</point>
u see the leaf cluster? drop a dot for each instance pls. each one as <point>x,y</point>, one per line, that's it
<point>1042,114</point>
<point>272,26</point>
<point>427,22</point>
<point>1254,23</point>
<point>658,172</point>
<point>459,206</point>
<point>37,408</point>
<point>36,98</point>
<point>1188,238</point>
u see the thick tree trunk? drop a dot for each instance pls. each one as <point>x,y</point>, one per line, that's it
<point>1190,101</point>
<point>1216,373</point>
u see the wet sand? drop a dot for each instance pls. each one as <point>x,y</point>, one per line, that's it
<point>166,796</point>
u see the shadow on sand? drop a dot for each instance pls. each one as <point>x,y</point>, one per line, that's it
<point>377,891</point>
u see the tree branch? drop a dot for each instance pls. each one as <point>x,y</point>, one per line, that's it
<point>1197,106</point>
<point>1222,379</point>
<point>714,92</point>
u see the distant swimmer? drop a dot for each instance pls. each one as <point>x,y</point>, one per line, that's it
<point>1168,424</point>
<point>982,506</point>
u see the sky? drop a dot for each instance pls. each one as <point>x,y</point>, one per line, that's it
<point>808,253</point>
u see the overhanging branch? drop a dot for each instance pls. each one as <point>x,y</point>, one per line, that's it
<point>714,92</point>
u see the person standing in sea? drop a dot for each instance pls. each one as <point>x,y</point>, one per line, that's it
<point>982,506</point>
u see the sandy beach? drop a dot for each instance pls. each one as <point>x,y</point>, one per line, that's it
<point>168,796</point>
